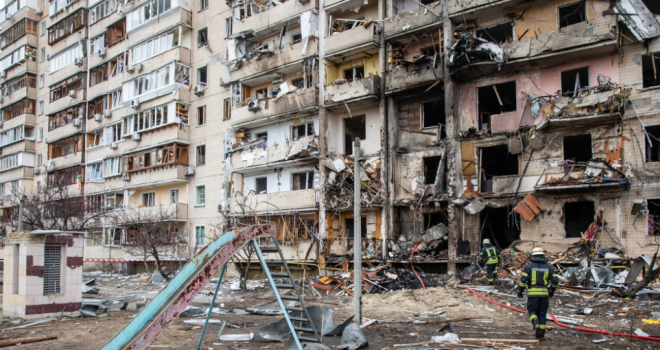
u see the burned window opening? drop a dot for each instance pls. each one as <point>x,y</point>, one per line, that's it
<point>349,228</point>
<point>431,165</point>
<point>653,6</point>
<point>578,148</point>
<point>499,33</point>
<point>572,14</point>
<point>653,151</point>
<point>495,99</point>
<point>577,217</point>
<point>435,219</point>
<point>433,115</point>
<point>573,80</point>
<point>355,73</point>
<point>354,127</point>
<point>650,67</point>
<point>261,185</point>
<point>499,226</point>
<point>654,216</point>
<point>496,161</point>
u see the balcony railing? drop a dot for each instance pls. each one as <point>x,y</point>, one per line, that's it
<point>355,39</point>
<point>252,156</point>
<point>297,103</point>
<point>274,202</point>
<point>17,31</point>
<point>174,154</point>
<point>368,87</point>
<point>410,21</point>
<point>18,83</point>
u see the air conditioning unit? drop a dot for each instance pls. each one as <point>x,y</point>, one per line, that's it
<point>103,51</point>
<point>39,12</point>
<point>78,61</point>
<point>97,117</point>
<point>3,74</point>
<point>138,67</point>
<point>36,171</point>
<point>126,176</point>
<point>135,104</point>
<point>130,68</point>
<point>73,93</point>
<point>77,123</point>
<point>198,89</point>
<point>136,137</point>
<point>107,113</point>
<point>253,106</point>
<point>114,145</point>
<point>189,171</point>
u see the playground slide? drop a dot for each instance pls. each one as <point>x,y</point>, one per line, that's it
<point>182,289</point>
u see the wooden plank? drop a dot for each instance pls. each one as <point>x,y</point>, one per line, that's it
<point>26,341</point>
<point>444,321</point>
<point>506,341</point>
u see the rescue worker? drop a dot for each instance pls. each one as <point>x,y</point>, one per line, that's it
<point>541,281</point>
<point>491,257</point>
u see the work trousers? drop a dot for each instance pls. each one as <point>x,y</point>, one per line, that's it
<point>537,308</point>
<point>491,271</point>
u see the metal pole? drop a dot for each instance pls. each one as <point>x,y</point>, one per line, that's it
<point>357,236</point>
<point>208,315</point>
<point>20,214</point>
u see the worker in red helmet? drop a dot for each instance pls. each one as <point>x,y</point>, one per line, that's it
<point>541,281</point>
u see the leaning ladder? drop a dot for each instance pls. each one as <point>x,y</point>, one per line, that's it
<point>300,311</point>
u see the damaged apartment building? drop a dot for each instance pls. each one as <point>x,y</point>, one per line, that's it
<point>517,121</point>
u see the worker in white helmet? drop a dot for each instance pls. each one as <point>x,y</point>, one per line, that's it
<point>541,281</point>
<point>491,257</point>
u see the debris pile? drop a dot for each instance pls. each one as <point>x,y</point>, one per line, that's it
<point>339,191</point>
<point>375,280</point>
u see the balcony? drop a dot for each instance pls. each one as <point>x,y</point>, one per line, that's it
<point>167,20</point>
<point>353,43</point>
<point>411,21</point>
<point>413,76</point>
<point>65,131</point>
<point>252,156</point>
<point>27,39</point>
<point>14,9</point>
<point>474,9</point>
<point>27,65</point>
<point>29,119</point>
<point>65,161</point>
<point>166,174</point>
<point>171,211</point>
<point>270,21</point>
<point>25,92</point>
<point>22,172</point>
<point>354,92</point>
<point>584,40</point>
<point>579,177</point>
<point>275,202</point>
<point>286,107</point>
<point>68,71</point>
<point>282,58</point>
<point>23,145</point>
<point>102,88</point>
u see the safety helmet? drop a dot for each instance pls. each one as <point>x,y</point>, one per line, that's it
<point>486,241</point>
<point>538,251</point>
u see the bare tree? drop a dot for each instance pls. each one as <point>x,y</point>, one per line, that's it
<point>151,232</point>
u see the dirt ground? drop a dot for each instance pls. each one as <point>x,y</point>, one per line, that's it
<point>490,321</point>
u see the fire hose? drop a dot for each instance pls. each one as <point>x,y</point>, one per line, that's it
<point>412,257</point>
<point>577,328</point>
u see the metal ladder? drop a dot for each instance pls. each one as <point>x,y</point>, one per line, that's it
<point>301,314</point>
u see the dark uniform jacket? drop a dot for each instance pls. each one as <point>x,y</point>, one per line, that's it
<point>539,278</point>
<point>490,255</point>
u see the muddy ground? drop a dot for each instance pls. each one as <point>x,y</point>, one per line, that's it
<point>403,305</point>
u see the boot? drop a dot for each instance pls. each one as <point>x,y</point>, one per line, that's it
<point>490,283</point>
<point>540,333</point>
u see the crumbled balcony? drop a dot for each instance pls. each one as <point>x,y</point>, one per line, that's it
<point>252,155</point>
<point>273,202</point>
<point>408,22</point>
<point>296,103</point>
<point>362,38</point>
<point>341,91</point>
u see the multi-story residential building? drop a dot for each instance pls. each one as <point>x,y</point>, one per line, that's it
<point>501,119</point>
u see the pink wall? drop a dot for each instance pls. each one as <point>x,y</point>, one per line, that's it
<point>548,80</point>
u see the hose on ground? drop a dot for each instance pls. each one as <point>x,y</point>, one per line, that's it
<point>412,257</point>
<point>577,328</point>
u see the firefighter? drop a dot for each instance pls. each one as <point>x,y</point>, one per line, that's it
<point>491,257</point>
<point>541,281</point>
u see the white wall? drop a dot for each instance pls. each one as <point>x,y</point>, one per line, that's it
<point>279,180</point>
<point>335,132</point>
<point>281,132</point>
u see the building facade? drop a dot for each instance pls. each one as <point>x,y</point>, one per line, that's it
<point>502,119</point>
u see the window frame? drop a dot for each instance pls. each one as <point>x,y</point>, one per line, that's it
<point>200,200</point>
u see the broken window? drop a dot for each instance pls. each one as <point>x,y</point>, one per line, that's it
<point>573,80</point>
<point>228,24</point>
<point>431,166</point>
<point>201,76</point>
<point>355,73</point>
<point>261,184</point>
<point>650,66</point>
<point>500,225</point>
<point>496,161</point>
<point>499,33</point>
<point>303,181</point>
<point>354,127</point>
<point>577,217</point>
<point>572,14</point>
<point>578,148</point>
<point>261,93</point>
<point>302,130</point>
<point>433,115</point>
<point>201,115</point>
<point>349,228</point>
<point>296,38</point>
<point>653,151</point>
<point>653,6</point>
<point>226,109</point>
<point>263,134</point>
<point>149,199</point>
<point>654,216</point>
<point>495,99</point>
<point>202,38</point>
<point>298,83</point>
<point>201,155</point>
